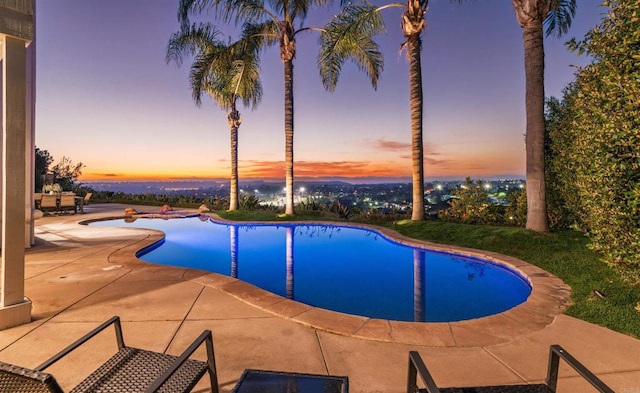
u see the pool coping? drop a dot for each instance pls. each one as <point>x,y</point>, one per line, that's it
<point>549,297</point>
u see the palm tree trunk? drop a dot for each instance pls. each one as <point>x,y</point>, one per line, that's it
<point>534,73</point>
<point>288,133</point>
<point>416,103</point>
<point>234,124</point>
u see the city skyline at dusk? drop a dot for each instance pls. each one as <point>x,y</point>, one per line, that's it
<point>106,97</point>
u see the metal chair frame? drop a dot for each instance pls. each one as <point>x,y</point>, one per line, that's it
<point>169,374</point>
<point>556,352</point>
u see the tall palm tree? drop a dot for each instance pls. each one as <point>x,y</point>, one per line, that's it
<point>532,15</point>
<point>349,37</point>
<point>274,21</point>
<point>224,72</point>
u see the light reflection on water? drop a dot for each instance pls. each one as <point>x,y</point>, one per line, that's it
<point>350,270</point>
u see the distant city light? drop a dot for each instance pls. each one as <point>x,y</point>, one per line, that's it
<point>439,187</point>
<point>487,186</point>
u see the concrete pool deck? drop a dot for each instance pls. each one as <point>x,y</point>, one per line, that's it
<point>78,276</point>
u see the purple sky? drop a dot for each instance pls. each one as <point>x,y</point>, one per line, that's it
<point>106,97</point>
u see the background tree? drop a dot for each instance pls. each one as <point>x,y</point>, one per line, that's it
<point>273,21</point>
<point>43,161</point>
<point>532,15</point>
<point>66,173</point>
<point>349,36</point>
<point>224,72</point>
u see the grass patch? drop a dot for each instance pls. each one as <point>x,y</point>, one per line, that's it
<point>564,254</point>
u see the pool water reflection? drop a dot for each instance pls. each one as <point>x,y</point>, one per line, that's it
<point>350,270</point>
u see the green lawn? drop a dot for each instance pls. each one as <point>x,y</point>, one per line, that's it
<point>565,254</point>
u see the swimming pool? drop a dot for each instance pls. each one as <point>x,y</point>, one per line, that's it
<point>351,270</point>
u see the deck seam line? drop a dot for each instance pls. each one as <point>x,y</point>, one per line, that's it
<point>324,359</point>
<point>505,365</point>
<point>175,333</point>
<point>453,336</point>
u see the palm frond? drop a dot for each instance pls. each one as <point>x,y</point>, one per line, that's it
<point>215,66</point>
<point>202,80</point>
<point>190,40</point>
<point>236,11</point>
<point>244,79</point>
<point>349,36</point>
<point>260,35</point>
<point>279,7</point>
<point>558,20</point>
<point>299,9</point>
<point>187,7</point>
<point>239,11</point>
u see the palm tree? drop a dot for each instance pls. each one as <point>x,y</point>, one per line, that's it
<point>226,73</point>
<point>272,21</point>
<point>349,37</point>
<point>531,15</point>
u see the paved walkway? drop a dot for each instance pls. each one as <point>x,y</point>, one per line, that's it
<point>78,276</point>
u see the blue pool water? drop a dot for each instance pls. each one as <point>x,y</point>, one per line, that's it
<point>345,269</point>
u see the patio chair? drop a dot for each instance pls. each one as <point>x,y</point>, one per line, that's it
<point>129,370</point>
<point>68,202</point>
<point>86,198</point>
<point>556,352</point>
<point>48,203</point>
<point>37,196</point>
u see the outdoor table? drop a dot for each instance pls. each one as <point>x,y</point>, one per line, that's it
<point>253,381</point>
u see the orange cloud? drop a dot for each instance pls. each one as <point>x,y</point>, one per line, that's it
<point>382,144</point>
<point>395,146</point>
<point>148,176</point>
<point>270,169</point>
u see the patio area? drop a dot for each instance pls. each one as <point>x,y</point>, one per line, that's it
<point>79,276</point>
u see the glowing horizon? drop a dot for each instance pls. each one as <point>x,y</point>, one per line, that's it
<point>435,165</point>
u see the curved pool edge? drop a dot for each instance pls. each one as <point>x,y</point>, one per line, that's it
<point>549,297</point>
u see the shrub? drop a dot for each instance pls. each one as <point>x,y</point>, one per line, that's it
<point>215,203</point>
<point>340,210</point>
<point>605,131</point>
<point>311,205</point>
<point>516,211</point>
<point>564,207</point>
<point>471,205</point>
<point>248,202</point>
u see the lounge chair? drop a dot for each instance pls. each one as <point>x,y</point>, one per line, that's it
<point>48,203</point>
<point>129,370</point>
<point>556,352</point>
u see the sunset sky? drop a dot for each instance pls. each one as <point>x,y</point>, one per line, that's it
<point>107,98</point>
